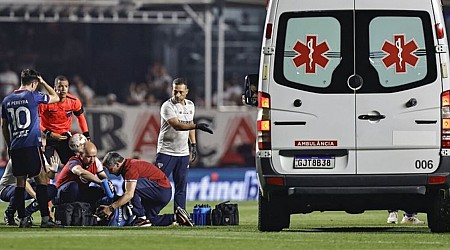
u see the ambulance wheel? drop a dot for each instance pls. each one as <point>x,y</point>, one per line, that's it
<point>439,212</point>
<point>273,215</point>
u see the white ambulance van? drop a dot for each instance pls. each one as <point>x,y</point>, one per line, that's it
<point>353,109</point>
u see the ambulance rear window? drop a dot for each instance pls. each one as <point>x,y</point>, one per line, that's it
<point>397,49</point>
<point>312,50</point>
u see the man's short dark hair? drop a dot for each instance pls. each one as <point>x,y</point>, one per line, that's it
<point>111,158</point>
<point>60,78</point>
<point>180,81</point>
<point>27,76</point>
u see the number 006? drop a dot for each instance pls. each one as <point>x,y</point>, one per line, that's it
<point>424,164</point>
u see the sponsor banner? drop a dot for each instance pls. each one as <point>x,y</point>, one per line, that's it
<point>133,132</point>
<point>222,185</point>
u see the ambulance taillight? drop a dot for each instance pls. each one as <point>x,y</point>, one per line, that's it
<point>263,124</point>
<point>445,124</point>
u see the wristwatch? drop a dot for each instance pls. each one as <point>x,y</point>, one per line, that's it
<point>47,132</point>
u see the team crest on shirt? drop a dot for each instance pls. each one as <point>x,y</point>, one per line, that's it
<point>68,114</point>
<point>160,165</point>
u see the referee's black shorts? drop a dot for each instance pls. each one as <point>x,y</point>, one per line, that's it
<point>27,161</point>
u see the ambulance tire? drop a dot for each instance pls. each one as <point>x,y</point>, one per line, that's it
<point>438,215</point>
<point>273,214</point>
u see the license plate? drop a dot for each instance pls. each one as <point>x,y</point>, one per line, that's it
<point>314,162</point>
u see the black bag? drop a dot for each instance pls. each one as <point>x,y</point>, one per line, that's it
<point>82,214</point>
<point>225,214</point>
<point>75,214</point>
<point>63,213</point>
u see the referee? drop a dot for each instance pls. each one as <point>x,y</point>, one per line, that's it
<point>56,120</point>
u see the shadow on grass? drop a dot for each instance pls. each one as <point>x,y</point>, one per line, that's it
<point>362,230</point>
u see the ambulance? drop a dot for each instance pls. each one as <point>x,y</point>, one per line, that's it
<point>353,109</point>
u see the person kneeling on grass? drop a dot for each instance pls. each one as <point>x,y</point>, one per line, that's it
<point>148,189</point>
<point>73,182</point>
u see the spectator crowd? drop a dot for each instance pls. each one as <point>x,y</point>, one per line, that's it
<point>151,92</point>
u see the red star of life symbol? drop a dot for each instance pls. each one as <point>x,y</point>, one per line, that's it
<point>400,53</point>
<point>311,54</point>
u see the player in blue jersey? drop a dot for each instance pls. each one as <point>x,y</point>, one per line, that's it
<point>21,130</point>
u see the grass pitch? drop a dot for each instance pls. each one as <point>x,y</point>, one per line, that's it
<point>328,230</point>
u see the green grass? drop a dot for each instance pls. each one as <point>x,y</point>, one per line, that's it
<point>328,230</point>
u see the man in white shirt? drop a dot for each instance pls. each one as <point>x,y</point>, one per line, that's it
<point>177,130</point>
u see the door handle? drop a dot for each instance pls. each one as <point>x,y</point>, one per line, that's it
<point>371,117</point>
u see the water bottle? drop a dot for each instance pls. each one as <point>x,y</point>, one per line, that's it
<point>205,212</point>
<point>195,215</point>
<point>108,190</point>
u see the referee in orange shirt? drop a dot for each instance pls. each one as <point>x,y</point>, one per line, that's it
<point>56,120</point>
